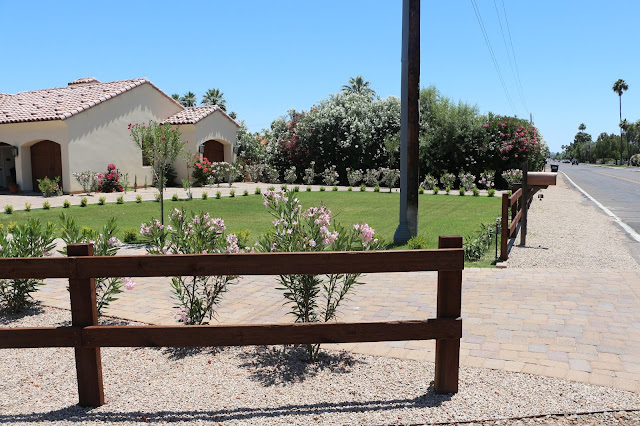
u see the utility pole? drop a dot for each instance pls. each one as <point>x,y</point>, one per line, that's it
<point>409,125</point>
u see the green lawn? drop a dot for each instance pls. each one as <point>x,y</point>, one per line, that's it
<point>438,214</point>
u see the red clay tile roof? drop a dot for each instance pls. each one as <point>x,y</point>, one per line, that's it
<point>63,102</point>
<point>84,80</point>
<point>192,115</point>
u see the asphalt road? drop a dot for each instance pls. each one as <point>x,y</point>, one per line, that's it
<point>618,189</point>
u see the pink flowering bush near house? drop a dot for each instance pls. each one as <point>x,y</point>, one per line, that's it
<point>313,298</point>
<point>197,296</point>
<point>110,181</point>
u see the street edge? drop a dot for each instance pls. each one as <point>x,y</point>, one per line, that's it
<point>629,230</point>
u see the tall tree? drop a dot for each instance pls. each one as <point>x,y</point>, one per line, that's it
<point>214,97</point>
<point>176,97</point>
<point>620,86</point>
<point>360,86</point>
<point>188,99</point>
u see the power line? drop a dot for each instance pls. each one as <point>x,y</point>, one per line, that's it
<point>513,72</point>
<point>513,53</point>
<point>493,56</point>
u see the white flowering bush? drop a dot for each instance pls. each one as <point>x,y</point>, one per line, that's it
<point>487,178</point>
<point>197,296</point>
<point>467,180</point>
<point>390,177</point>
<point>31,239</point>
<point>354,177</point>
<point>512,176</point>
<point>310,174</point>
<point>372,177</point>
<point>330,177</point>
<point>290,175</point>
<point>104,243</point>
<point>88,180</point>
<point>447,180</point>
<point>313,298</point>
<point>232,171</point>
<point>429,182</point>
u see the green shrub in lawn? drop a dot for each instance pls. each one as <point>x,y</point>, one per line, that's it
<point>491,192</point>
<point>447,189</point>
<point>350,189</point>
<point>436,190</point>
<point>245,193</point>
<point>296,188</point>
<point>376,188</point>
<point>335,188</point>
<point>257,191</point>
<point>308,189</point>
<point>120,200</point>
<point>476,245</point>
<point>476,191</point>
<point>218,195</point>
<point>232,193</point>
<point>322,189</point>
<point>363,187</point>
<point>420,190</point>
<point>205,195</point>
<point>158,197</point>
<point>271,188</point>
<point>46,205</point>
<point>27,207</point>
<point>130,235</point>
<point>461,191</point>
<point>8,209</point>
<point>283,187</point>
<point>31,239</point>
<point>102,200</point>
<point>66,204</point>
<point>138,199</point>
<point>174,197</point>
<point>418,242</point>
<point>83,202</point>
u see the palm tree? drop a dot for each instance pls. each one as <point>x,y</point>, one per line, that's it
<point>214,97</point>
<point>176,97</point>
<point>188,99</point>
<point>620,87</point>
<point>359,86</point>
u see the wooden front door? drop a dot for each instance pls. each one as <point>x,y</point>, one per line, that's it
<point>214,151</point>
<point>46,161</point>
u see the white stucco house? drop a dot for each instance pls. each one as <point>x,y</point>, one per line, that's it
<point>84,126</point>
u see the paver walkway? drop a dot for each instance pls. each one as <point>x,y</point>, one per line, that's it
<point>576,325</point>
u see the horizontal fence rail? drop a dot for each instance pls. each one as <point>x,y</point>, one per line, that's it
<point>87,337</point>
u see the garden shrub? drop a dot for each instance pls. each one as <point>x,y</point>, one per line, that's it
<point>46,205</point>
<point>418,242</point>
<point>49,187</point>
<point>130,235</point>
<point>8,209</point>
<point>138,199</point>
<point>205,195</point>
<point>197,296</point>
<point>27,207</point>
<point>83,202</point>
<point>174,197</point>
<point>31,239</point>
<point>354,177</point>
<point>120,200</point>
<point>104,243</point>
<point>313,298</point>
<point>102,200</point>
<point>475,246</point>
<point>110,181</point>
<point>66,204</point>
<point>88,180</point>
<point>290,175</point>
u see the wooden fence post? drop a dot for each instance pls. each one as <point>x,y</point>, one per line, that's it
<point>449,306</point>
<point>504,227</point>
<point>84,312</point>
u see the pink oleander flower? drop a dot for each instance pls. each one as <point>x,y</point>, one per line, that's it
<point>129,284</point>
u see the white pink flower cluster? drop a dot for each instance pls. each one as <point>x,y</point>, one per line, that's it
<point>232,244</point>
<point>129,284</point>
<point>366,233</point>
<point>274,197</point>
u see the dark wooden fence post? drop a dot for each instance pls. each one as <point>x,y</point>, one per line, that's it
<point>449,306</point>
<point>84,312</point>
<point>504,227</point>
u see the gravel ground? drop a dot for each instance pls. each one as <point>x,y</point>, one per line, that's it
<point>259,385</point>
<point>566,230</point>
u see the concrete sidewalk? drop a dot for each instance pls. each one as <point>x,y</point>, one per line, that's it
<point>571,324</point>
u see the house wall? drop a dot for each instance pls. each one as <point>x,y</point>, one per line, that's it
<point>100,135</point>
<point>23,135</point>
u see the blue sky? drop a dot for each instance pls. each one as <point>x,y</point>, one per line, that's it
<point>270,56</point>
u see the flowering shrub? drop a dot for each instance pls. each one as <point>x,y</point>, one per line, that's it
<point>372,177</point>
<point>88,180</point>
<point>330,176</point>
<point>487,178</point>
<point>201,172</point>
<point>110,181</point>
<point>447,180</point>
<point>354,177</point>
<point>467,180</point>
<point>270,174</point>
<point>254,172</point>
<point>290,175</point>
<point>30,239</point>
<point>104,243</point>
<point>429,182</point>
<point>190,234</point>
<point>390,177</point>
<point>49,187</point>
<point>513,176</point>
<point>309,174</point>
<point>313,298</point>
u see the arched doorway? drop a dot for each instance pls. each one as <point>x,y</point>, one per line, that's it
<point>46,161</point>
<point>214,151</point>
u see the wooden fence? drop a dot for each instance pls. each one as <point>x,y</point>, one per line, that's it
<point>87,337</point>
<point>509,222</point>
